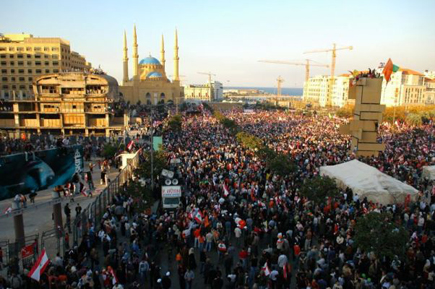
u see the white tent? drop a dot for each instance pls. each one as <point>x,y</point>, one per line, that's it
<point>429,172</point>
<point>367,181</point>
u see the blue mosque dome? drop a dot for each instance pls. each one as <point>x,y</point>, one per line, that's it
<point>150,60</point>
<point>154,74</point>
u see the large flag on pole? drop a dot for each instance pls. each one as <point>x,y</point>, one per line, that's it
<point>389,69</point>
<point>39,267</point>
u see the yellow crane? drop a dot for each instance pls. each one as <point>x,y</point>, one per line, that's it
<point>307,65</point>
<point>334,56</point>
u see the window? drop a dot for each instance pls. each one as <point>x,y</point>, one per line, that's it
<point>28,48</point>
<point>30,78</point>
<point>4,79</point>
<point>46,48</point>
<point>3,63</point>
<point>11,56</point>
<point>12,63</point>
<point>12,78</point>
<point>38,56</point>
<point>29,71</point>
<point>20,48</point>
<point>37,49</point>
<point>4,71</point>
<point>29,56</point>
<point>22,79</point>
<point>38,63</point>
<point>20,56</point>
<point>47,71</point>
<point>5,86</point>
<point>12,70</point>
<point>55,56</point>
<point>2,48</point>
<point>55,49</point>
<point>11,48</point>
<point>29,63</point>
<point>46,56</point>
<point>55,63</point>
<point>46,63</point>
<point>20,63</point>
<point>22,87</point>
<point>3,56</point>
<point>38,71</point>
<point>30,87</point>
<point>21,71</point>
<point>55,70</point>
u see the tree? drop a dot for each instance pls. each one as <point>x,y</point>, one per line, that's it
<point>249,141</point>
<point>175,123</point>
<point>319,189</point>
<point>281,164</point>
<point>378,233</point>
<point>414,119</point>
<point>109,151</point>
<point>159,163</point>
<point>346,111</point>
<point>142,196</point>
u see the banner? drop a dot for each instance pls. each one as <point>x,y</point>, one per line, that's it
<point>35,171</point>
<point>157,143</point>
<point>28,251</point>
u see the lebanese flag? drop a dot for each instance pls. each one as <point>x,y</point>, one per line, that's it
<point>39,267</point>
<point>130,145</point>
<point>199,217</point>
<point>226,190</point>
<point>266,269</point>
<point>112,273</point>
<point>7,210</point>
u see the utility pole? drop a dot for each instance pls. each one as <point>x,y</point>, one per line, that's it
<point>152,150</point>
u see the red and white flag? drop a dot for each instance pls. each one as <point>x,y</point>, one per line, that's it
<point>112,273</point>
<point>130,145</point>
<point>8,210</point>
<point>199,217</point>
<point>39,267</point>
<point>266,269</point>
<point>226,190</point>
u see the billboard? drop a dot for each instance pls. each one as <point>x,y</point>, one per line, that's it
<point>35,171</point>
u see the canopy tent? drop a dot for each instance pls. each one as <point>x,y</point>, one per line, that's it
<point>429,172</point>
<point>367,181</point>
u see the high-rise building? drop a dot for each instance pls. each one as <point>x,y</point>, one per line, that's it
<point>66,103</point>
<point>24,57</point>
<point>406,87</point>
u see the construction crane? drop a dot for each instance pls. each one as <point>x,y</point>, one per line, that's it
<point>279,80</point>
<point>307,65</point>
<point>209,75</point>
<point>334,56</point>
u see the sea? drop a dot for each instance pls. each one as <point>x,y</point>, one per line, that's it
<point>272,90</point>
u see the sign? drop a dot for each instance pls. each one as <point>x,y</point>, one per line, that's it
<point>157,143</point>
<point>27,251</point>
<point>175,161</point>
<point>171,191</point>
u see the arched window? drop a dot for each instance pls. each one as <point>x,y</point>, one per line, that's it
<point>162,95</point>
<point>148,101</point>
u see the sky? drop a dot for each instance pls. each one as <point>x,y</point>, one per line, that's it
<point>227,38</point>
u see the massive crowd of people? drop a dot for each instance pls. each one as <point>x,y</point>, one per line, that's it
<point>241,226</point>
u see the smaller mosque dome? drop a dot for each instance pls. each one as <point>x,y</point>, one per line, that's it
<point>150,60</point>
<point>154,74</point>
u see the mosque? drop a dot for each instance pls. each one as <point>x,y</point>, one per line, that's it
<point>149,83</point>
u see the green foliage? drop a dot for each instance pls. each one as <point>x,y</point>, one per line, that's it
<point>266,153</point>
<point>249,141</point>
<point>175,123</point>
<point>345,112</point>
<point>281,165</point>
<point>208,107</point>
<point>319,189</point>
<point>218,115</point>
<point>414,119</point>
<point>160,163</point>
<point>142,196</point>
<point>378,233</point>
<point>109,151</point>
